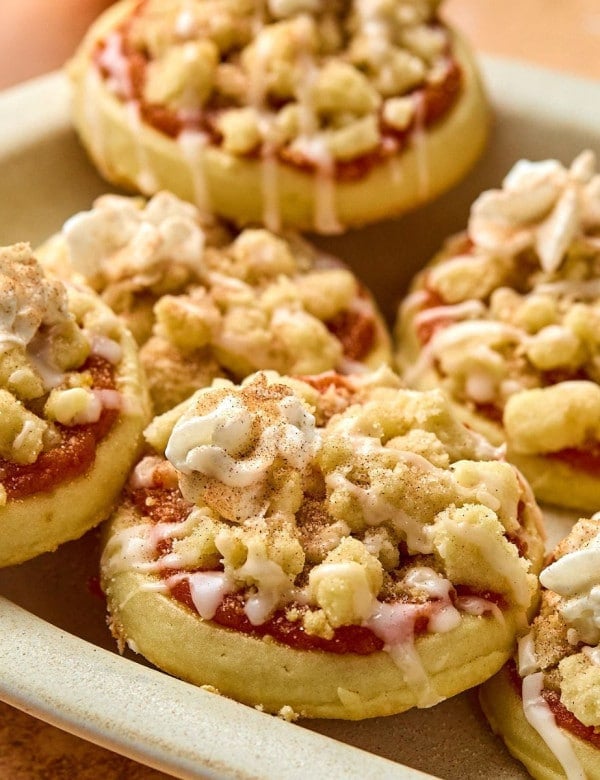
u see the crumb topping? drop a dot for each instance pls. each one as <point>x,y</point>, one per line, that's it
<point>566,633</point>
<point>317,83</point>
<point>370,517</point>
<point>205,303</point>
<point>47,333</point>
<point>509,316</point>
<point>541,205</point>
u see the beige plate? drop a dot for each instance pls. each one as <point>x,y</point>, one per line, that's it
<point>61,668</point>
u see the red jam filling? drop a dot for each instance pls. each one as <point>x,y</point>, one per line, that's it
<point>346,639</point>
<point>579,459</point>
<point>435,101</point>
<point>356,331</point>
<point>427,328</point>
<point>230,614</point>
<point>322,382</point>
<point>564,718</point>
<point>76,451</point>
<point>487,595</point>
<point>166,505</point>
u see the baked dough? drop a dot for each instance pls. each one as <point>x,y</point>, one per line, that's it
<point>553,726</point>
<point>204,302</point>
<point>507,320</point>
<point>73,404</point>
<point>332,547</point>
<point>312,115</point>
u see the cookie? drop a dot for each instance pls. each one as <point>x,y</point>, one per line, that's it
<point>506,319</point>
<point>312,115</point>
<point>204,301</point>
<point>73,404</point>
<point>331,546</point>
<point>546,705</point>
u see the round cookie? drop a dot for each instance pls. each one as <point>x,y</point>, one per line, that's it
<point>330,546</point>
<point>73,404</point>
<point>317,116</point>
<point>506,320</point>
<point>546,706</point>
<point>204,301</point>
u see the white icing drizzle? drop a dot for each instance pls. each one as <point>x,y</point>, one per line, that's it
<point>575,572</point>
<point>109,399</point>
<point>504,567</point>
<point>106,348</point>
<point>133,548</point>
<point>269,165</point>
<point>539,715</point>
<point>193,147</point>
<point>407,659</point>
<point>378,511</point>
<point>20,439</point>
<point>541,205</point>
<point>488,331</point>
<point>460,334</point>
<point>113,60</point>
<point>204,443</point>
<point>50,375</point>
<point>325,215</point>
<point>145,178</point>
<point>395,623</point>
<point>477,605</point>
<point>271,584</point>
<point>136,547</point>
<point>208,589</point>
<point>527,657</point>
<point>575,577</point>
<point>470,309</point>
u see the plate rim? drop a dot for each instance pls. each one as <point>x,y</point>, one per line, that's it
<point>32,647</point>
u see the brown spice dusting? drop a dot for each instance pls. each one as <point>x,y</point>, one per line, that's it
<point>76,452</point>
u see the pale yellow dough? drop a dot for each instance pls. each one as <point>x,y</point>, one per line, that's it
<point>505,320</point>
<point>503,708</point>
<point>314,684</point>
<point>213,303</point>
<point>373,464</point>
<point>40,522</point>
<point>562,651</point>
<point>137,156</point>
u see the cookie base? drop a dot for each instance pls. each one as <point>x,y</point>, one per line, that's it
<point>262,672</point>
<point>40,522</point>
<point>128,152</point>
<point>503,708</point>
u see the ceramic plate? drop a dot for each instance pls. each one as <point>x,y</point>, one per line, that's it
<point>57,659</point>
